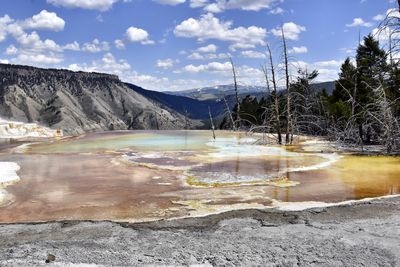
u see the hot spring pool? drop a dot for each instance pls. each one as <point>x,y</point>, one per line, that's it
<point>147,175</point>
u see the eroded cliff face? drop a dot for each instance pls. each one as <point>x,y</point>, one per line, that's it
<point>78,102</point>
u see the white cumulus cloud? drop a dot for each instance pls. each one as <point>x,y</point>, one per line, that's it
<point>253,54</point>
<point>44,21</point>
<point>211,48</point>
<point>209,27</point>
<point>217,6</point>
<point>119,44</point>
<point>165,64</point>
<point>298,50</point>
<point>137,35</point>
<point>96,46</point>
<point>291,30</point>
<point>100,5</point>
<point>359,22</point>
<point>170,2</point>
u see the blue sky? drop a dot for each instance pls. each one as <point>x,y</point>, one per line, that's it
<point>183,44</point>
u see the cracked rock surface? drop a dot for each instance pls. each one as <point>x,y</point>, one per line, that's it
<point>363,234</point>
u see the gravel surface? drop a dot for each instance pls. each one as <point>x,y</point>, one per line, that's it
<point>362,234</point>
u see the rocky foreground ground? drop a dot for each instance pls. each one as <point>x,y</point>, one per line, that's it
<point>363,234</point>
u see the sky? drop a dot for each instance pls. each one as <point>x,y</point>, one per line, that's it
<point>169,45</point>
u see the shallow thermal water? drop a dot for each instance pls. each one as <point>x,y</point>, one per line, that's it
<point>147,175</point>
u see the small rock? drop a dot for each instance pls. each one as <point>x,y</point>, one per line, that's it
<point>50,258</point>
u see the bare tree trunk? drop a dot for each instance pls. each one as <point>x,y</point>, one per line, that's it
<point>186,119</point>
<point>390,50</point>
<point>230,114</point>
<point>212,122</point>
<point>276,99</point>
<point>236,94</point>
<point>265,71</point>
<point>288,111</point>
<point>353,98</point>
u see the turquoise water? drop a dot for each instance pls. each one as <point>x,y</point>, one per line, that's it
<point>132,140</point>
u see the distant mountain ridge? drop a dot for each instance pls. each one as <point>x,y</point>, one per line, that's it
<point>79,102</point>
<point>193,108</point>
<point>216,92</point>
<point>220,91</point>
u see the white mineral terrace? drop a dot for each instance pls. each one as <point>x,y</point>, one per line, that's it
<point>8,172</point>
<point>13,129</point>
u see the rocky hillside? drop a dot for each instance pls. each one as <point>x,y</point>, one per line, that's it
<point>193,108</point>
<point>78,102</point>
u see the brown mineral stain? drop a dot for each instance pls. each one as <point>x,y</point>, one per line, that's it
<point>88,178</point>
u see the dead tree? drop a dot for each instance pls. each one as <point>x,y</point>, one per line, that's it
<point>212,122</point>
<point>380,112</point>
<point>289,125</point>
<point>236,94</point>
<point>229,113</point>
<point>276,98</point>
<point>267,107</point>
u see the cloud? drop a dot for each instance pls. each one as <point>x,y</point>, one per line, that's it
<point>277,11</point>
<point>210,67</point>
<point>44,21</point>
<point>33,50</point>
<point>100,18</point>
<point>245,74</point>
<point>96,46</point>
<point>329,63</point>
<point>198,3</point>
<point>195,56</point>
<point>208,27</point>
<point>32,40</point>
<point>119,44</point>
<point>165,64</point>
<point>212,56</point>
<point>108,64</point>
<point>224,68</point>
<point>72,46</point>
<point>136,35</point>
<point>298,50</point>
<point>253,54</point>
<point>170,2</point>
<point>359,22</point>
<point>211,48</point>
<point>328,70</point>
<point>379,17</point>
<point>393,13</point>
<point>30,48</point>
<point>217,6</point>
<point>11,50</point>
<point>291,30</point>
<point>384,34</point>
<point>38,59</point>
<point>100,5</point>
<point>5,21</point>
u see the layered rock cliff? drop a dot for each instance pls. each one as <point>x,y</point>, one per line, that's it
<point>78,102</point>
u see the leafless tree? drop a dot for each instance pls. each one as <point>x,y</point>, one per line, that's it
<point>212,122</point>
<point>289,125</point>
<point>228,110</point>
<point>237,126</point>
<point>275,96</point>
